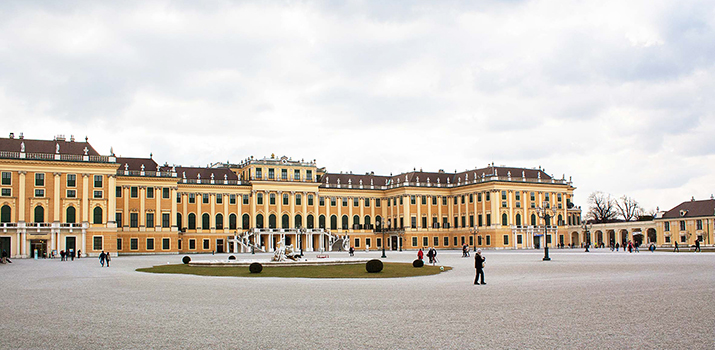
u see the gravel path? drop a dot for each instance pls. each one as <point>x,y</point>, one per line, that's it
<point>601,299</point>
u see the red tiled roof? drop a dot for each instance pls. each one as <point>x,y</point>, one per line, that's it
<point>136,164</point>
<point>46,146</point>
<point>193,173</point>
<point>692,209</point>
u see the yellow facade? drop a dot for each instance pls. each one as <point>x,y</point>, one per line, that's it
<point>135,206</point>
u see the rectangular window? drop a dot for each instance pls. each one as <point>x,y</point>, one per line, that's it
<point>165,243</point>
<point>272,199</point>
<point>345,201</point>
<point>479,197</point>
<point>471,220</point>
<point>245,199</point>
<point>412,200</point>
<point>489,219</point>
<point>471,198</point>
<point>455,240</point>
<point>517,195</point>
<point>192,198</point>
<point>424,221</point>
<point>357,242</point>
<point>479,219</point>
<point>71,193</point>
<point>298,199</point>
<point>296,175</point>
<point>285,199</point>
<point>518,204</point>
<point>219,198</point>
<point>413,222</point>
<point>503,195</point>
<point>178,243</point>
<point>414,241</point>
<point>506,239</point>
<point>462,199</point>
<point>149,219</point>
<point>71,180</point>
<point>377,202</point>
<point>683,239</point>
<point>118,192</point>
<point>333,202</point>
<point>134,192</point>
<point>436,241</point>
<point>434,200</point>
<point>165,220</point>
<point>546,197</point>
<point>259,173</point>
<point>368,242</point>
<point>98,180</point>
<point>97,243</point>
<point>178,198</point>
<point>455,199</point>
<point>134,244</point>
<point>7,192</point>
<point>503,204</point>
<point>486,196</point>
<point>271,173</point>
<point>532,197</point>
<point>464,221</point>
<point>192,244</point>
<point>321,201</point>
<point>165,193</point>
<point>699,225</point>
<point>446,241</point>
<point>519,239</point>
<point>309,175</point>
<point>150,243</point>
<point>444,200</point>
<point>206,244</point>
<point>134,220</point>
<point>205,198</point>
<point>479,240</point>
<point>682,225</point>
<point>401,200</point>
<point>310,199</point>
<point>379,242</point>
<point>97,194</point>
<point>39,179</point>
<point>119,244</point>
<point>367,202</point>
<point>558,197</point>
<point>356,202</point>
<point>425,241</point>
<point>284,174</point>
<point>7,178</point>
<point>39,192</point>
<point>232,199</point>
<point>667,239</point>
<point>118,219</point>
<point>489,240</point>
<point>424,200</point>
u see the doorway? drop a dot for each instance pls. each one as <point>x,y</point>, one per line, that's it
<point>219,246</point>
<point>537,241</point>
<point>394,242</point>
<point>70,244</point>
<point>40,246</point>
<point>5,245</point>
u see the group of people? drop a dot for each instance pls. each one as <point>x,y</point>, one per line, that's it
<point>629,246</point>
<point>431,255</point>
<point>104,258</point>
<point>697,246</point>
<point>69,254</point>
<point>465,251</point>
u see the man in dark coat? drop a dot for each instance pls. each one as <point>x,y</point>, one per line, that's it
<point>479,265</point>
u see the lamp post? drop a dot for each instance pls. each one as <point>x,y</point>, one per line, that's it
<point>475,231</point>
<point>383,242</point>
<point>586,233</point>
<point>543,213</point>
<point>301,232</point>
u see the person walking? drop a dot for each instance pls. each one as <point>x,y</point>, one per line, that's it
<point>79,253</point>
<point>434,256</point>
<point>420,254</point>
<point>697,245</point>
<point>102,256</point>
<point>107,259</point>
<point>676,249</point>
<point>479,266</point>
<point>351,251</point>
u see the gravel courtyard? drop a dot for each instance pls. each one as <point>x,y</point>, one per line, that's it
<point>600,299</point>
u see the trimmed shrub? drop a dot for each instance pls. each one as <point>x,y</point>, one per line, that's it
<point>255,267</point>
<point>418,263</point>
<point>231,257</point>
<point>373,266</point>
<point>186,259</point>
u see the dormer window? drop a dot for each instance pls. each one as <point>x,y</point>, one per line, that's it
<point>683,213</point>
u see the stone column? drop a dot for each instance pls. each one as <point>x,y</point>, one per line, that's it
<point>125,214</point>
<point>21,196</point>
<point>450,206</point>
<point>142,208</point>
<point>226,219</point>
<point>158,219</point>
<point>406,211</point>
<point>212,216</point>
<point>418,203</point>
<point>56,199</point>
<point>185,207</point>
<point>174,210</point>
<point>85,198</point>
<point>459,210</point>
<point>291,219</point>
<point>429,212</point>
<point>351,204</point>
<point>112,201</point>
<point>279,214</point>
<point>439,211</point>
<point>199,213</point>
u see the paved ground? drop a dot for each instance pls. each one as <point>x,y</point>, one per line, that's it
<point>658,300</point>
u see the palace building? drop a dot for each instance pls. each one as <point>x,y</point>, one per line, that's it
<point>61,194</point>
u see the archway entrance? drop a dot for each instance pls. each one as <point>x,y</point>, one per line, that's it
<point>637,237</point>
<point>652,237</point>
<point>574,238</point>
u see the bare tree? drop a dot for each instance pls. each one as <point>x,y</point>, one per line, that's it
<point>628,208</point>
<point>602,208</point>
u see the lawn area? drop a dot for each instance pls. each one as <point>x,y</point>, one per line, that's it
<point>390,270</point>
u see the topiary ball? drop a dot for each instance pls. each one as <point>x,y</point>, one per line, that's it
<point>255,267</point>
<point>231,257</point>
<point>418,263</point>
<point>186,259</point>
<point>373,266</point>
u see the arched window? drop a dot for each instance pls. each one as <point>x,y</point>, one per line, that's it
<point>245,221</point>
<point>518,219</point>
<point>504,219</point>
<point>310,223</point>
<point>192,221</point>
<point>5,213</point>
<point>533,220</point>
<point>219,221</point>
<point>378,222</point>
<point>259,221</point>
<point>356,222</point>
<point>272,221</point>
<point>71,215</point>
<point>333,222</point>
<point>547,220</point>
<point>367,222</point>
<point>344,222</point>
<point>39,214</point>
<point>285,221</point>
<point>321,221</point>
<point>97,215</point>
<point>232,221</point>
<point>560,221</point>
<point>179,224</point>
<point>205,221</point>
<point>298,221</point>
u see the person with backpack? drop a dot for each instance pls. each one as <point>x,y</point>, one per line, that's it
<point>479,266</point>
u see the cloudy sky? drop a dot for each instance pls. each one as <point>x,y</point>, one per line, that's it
<point>617,95</point>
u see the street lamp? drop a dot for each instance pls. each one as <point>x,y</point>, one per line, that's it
<point>586,227</point>
<point>301,232</point>
<point>475,231</point>
<point>543,213</point>
<point>380,229</point>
